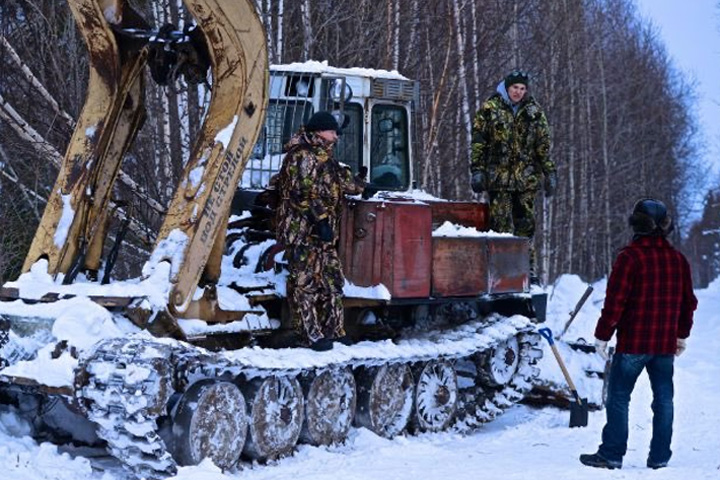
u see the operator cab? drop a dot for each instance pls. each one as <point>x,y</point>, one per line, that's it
<point>373,106</point>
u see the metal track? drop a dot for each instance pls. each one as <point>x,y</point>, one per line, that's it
<point>125,385</point>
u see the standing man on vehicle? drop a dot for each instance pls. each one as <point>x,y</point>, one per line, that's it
<point>311,185</point>
<point>649,303</point>
<point>510,158</point>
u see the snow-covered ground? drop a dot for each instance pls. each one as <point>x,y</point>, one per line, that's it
<point>523,443</point>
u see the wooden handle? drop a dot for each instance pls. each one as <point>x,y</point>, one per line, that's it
<point>564,370</point>
<point>578,306</point>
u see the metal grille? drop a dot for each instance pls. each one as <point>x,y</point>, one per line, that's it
<point>392,89</point>
<point>290,106</point>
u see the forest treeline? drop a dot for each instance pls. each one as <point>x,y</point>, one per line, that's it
<point>621,113</point>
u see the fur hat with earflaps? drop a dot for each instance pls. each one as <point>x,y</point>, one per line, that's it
<point>650,217</point>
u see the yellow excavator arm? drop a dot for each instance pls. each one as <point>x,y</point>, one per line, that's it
<point>229,37</point>
<point>199,210</point>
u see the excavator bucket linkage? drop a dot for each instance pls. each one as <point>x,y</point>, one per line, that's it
<point>228,36</point>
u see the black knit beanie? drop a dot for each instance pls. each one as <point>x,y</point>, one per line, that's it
<point>322,121</point>
<point>516,76</point>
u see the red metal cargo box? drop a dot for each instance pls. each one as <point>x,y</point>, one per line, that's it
<point>390,243</point>
<point>459,266</point>
<point>467,214</point>
<point>508,264</point>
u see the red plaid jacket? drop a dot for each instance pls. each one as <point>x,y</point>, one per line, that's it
<point>649,299</point>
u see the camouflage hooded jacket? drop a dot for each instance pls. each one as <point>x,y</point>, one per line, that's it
<point>512,150</point>
<point>310,185</point>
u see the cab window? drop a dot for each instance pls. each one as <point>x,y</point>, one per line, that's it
<point>282,121</point>
<point>349,147</point>
<point>389,158</point>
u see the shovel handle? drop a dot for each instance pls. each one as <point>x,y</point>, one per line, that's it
<point>578,306</point>
<point>547,333</point>
<point>565,372</point>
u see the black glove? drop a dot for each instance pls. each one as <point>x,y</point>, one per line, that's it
<point>477,182</point>
<point>369,192</point>
<point>324,231</point>
<point>550,184</point>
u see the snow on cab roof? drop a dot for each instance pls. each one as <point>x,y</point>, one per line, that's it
<point>313,66</point>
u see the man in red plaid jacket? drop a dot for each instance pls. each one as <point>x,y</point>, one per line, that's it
<point>649,303</point>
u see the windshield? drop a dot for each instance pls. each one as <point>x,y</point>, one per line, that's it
<point>389,159</point>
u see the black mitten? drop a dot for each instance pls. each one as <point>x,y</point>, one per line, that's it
<point>324,230</point>
<point>477,182</point>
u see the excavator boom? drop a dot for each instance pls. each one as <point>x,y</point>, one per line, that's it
<point>72,229</point>
<point>196,216</point>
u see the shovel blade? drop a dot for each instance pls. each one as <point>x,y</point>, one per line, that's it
<point>579,413</point>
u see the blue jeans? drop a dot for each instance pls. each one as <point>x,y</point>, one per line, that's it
<point>624,372</point>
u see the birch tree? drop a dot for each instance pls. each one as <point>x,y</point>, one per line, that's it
<point>307,30</point>
<point>621,114</point>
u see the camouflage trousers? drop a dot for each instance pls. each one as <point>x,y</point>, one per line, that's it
<point>513,212</point>
<point>314,291</point>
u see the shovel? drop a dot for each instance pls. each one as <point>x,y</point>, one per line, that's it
<point>578,407</point>
<point>578,306</point>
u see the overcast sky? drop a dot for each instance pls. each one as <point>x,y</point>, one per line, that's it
<point>690,30</point>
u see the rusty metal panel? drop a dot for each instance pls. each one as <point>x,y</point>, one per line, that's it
<point>388,243</point>
<point>357,243</point>
<point>508,264</point>
<point>467,214</point>
<point>412,246</point>
<point>459,266</point>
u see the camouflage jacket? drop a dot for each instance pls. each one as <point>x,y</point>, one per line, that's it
<point>511,150</point>
<point>311,185</point>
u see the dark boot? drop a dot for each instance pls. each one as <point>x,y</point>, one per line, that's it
<point>345,340</point>
<point>595,460</point>
<point>322,345</point>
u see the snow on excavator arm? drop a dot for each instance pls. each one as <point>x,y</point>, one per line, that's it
<point>198,213</point>
<point>72,229</point>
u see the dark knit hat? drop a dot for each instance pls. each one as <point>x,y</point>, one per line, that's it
<point>650,217</point>
<point>322,121</point>
<point>517,76</point>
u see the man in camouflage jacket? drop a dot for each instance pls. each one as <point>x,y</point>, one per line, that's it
<point>311,185</point>
<point>511,156</point>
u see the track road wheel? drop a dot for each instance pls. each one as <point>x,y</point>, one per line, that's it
<point>436,396</point>
<point>210,422</point>
<point>501,363</point>
<point>385,398</point>
<point>276,416</point>
<point>330,399</point>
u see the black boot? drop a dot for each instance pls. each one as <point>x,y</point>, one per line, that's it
<point>322,345</point>
<point>656,466</point>
<point>345,340</point>
<point>595,460</point>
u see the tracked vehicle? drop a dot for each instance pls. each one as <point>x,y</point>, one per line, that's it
<point>183,363</point>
